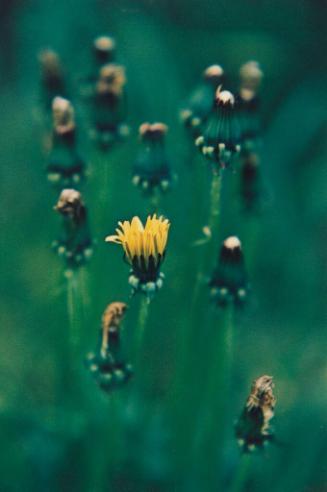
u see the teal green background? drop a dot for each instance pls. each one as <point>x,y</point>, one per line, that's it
<point>58,432</point>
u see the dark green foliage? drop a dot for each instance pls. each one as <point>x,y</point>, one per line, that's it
<point>58,431</point>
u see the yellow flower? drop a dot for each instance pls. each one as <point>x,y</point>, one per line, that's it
<point>144,246</point>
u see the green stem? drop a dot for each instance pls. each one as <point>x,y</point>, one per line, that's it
<point>214,202</point>
<point>188,337</point>
<point>206,256</point>
<point>241,473</point>
<point>211,228</point>
<point>72,308</point>
<point>213,417</point>
<point>154,202</point>
<point>141,325</point>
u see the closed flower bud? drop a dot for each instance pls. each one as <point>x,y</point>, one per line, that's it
<point>201,100</point>
<point>220,138</point>
<point>104,49</point>
<point>109,105</point>
<point>151,170</point>
<point>229,282</point>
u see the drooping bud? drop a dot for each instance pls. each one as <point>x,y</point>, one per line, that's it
<point>111,320</point>
<point>107,363</point>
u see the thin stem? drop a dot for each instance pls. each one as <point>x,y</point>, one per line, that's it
<point>211,228</point>
<point>241,473</point>
<point>141,325</point>
<point>154,201</point>
<point>74,328</point>
<point>214,201</point>
<point>197,315</point>
<point>212,422</point>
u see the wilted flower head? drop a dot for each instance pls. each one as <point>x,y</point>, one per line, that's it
<point>70,204</point>
<point>253,427</point>
<point>201,100</point>
<point>229,281</point>
<point>65,167</point>
<point>144,249</point>
<point>111,80</point>
<point>220,138</point>
<point>151,169</point>
<point>107,363</point>
<point>75,244</point>
<point>63,115</point>
<point>111,320</point>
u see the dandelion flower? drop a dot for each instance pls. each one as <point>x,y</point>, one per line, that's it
<point>144,248</point>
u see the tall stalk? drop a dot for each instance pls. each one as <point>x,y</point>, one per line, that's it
<point>241,474</point>
<point>140,331</point>
<point>212,417</point>
<point>74,311</point>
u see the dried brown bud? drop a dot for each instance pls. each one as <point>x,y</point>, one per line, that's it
<point>63,115</point>
<point>50,64</point>
<point>70,203</point>
<point>251,76</point>
<point>111,320</point>
<point>262,397</point>
<point>152,129</point>
<point>111,80</point>
<point>253,427</point>
<point>104,43</point>
<point>213,72</point>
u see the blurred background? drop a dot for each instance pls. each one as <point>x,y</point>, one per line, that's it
<point>59,432</point>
